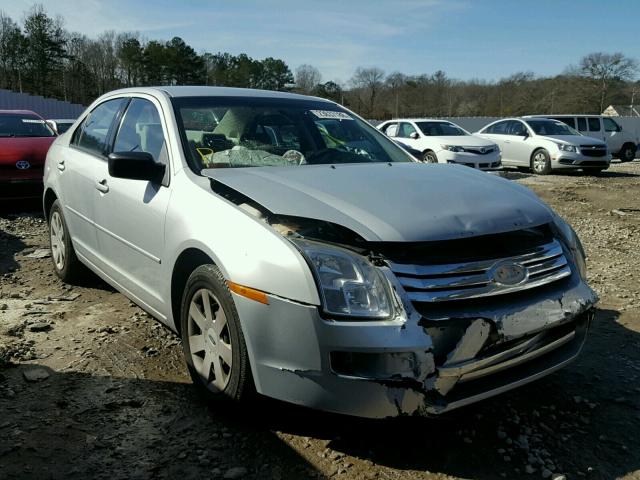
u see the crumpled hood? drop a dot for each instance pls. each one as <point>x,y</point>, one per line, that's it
<point>399,202</point>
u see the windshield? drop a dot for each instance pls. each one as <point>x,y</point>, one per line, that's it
<point>223,132</point>
<point>551,127</point>
<point>16,125</point>
<point>63,126</point>
<point>440,129</point>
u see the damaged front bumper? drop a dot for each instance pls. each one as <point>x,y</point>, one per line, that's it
<point>422,362</point>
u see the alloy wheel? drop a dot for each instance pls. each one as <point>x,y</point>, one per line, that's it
<point>209,340</point>
<point>58,251</point>
<point>539,162</point>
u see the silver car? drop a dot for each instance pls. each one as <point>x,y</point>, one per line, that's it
<point>543,145</point>
<point>301,254</point>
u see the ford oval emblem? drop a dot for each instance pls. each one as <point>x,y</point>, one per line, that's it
<point>509,273</point>
<point>22,164</point>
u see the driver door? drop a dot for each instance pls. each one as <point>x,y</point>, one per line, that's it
<point>130,214</point>
<point>408,135</point>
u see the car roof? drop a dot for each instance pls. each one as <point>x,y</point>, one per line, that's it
<point>564,115</point>
<point>19,112</point>
<point>419,120</point>
<point>203,91</point>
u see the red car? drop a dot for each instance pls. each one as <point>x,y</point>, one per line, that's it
<point>24,141</point>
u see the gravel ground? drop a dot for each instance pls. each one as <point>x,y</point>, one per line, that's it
<point>91,387</point>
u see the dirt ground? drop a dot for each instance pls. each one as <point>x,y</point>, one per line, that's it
<point>91,387</point>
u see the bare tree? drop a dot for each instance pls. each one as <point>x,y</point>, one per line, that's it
<point>307,77</point>
<point>606,68</point>
<point>369,81</point>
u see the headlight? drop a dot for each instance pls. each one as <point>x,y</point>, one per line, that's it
<point>349,284</point>
<point>452,148</point>
<point>571,240</point>
<point>567,148</point>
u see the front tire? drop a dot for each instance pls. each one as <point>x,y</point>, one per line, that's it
<point>627,153</point>
<point>65,262</point>
<point>212,338</point>
<point>541,162</point>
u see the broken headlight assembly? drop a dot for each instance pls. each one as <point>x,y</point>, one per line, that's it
<point>349,285</point>
<point>570,238</point>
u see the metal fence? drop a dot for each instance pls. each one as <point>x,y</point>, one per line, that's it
<point>45,107</point>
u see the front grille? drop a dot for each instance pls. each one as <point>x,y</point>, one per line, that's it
<point>594,164</point>
<point>479,150</point>
<point>457,281</point>
<point>593,150</point>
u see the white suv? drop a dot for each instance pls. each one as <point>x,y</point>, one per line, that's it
<point>622,144</point>
<point>441,141</point>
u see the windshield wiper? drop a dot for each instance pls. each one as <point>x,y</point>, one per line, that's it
<point>4,135</point>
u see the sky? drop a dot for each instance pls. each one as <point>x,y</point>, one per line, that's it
<point>468,39</point>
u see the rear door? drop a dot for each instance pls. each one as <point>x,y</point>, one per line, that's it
<point>498,134</point>
<point>518,146</point>
<point>77,166</point>
<point>130,214</point>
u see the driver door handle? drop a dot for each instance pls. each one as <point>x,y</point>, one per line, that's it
<point>102,186</point>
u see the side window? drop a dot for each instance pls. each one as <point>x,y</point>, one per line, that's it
<point>566,120</point>
<point>582,124</point>
<point>141,131</point>
<point>610,125</point>
<point>391,129</point>
<point>499,128</point>
<point>516,128</point>
<point>93,131</point>
<point>594,124</point>
<point>406,129</point>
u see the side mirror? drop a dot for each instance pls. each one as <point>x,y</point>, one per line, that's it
<point>525,134</point>
<point>135,166</point>
<point>414,135</point>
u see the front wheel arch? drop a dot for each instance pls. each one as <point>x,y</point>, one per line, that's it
<point>47,202</point>
<point>547,169</point>
<point>429,153</point>
<point>185,264</point>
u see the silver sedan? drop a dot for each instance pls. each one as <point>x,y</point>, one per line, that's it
<point>300,254</point>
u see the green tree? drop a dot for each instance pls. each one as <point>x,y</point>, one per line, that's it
<point>45,50</point>
<point>130,56</point>
<point>183,65</point>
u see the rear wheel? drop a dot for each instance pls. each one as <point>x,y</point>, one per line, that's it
<point>541,162</point>
<point>65,262</point>
<point>627,153</point>
<point>212,339</point>
<point>429,157</point>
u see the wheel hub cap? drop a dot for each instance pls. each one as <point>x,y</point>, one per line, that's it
<point>209,340</point>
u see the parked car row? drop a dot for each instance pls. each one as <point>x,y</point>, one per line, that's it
<point>301,254</point>
<point>538,143</point>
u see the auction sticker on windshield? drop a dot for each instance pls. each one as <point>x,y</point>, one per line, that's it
<point>331,115</point>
